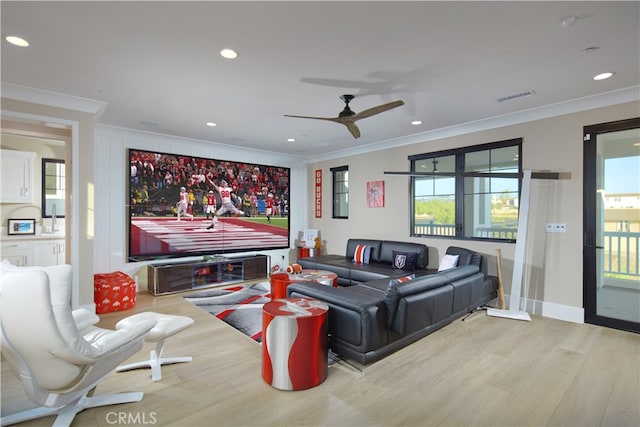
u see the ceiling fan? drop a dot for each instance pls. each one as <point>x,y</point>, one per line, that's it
<point>348,118</point>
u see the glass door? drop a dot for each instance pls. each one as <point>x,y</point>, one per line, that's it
<point>612,224</point>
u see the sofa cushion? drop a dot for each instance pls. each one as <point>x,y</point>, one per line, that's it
<point>404,260</point>
<point>361,273</point>
<point>423,310</point>
<point>362,254</point>
<point>463,292</point>
<point>448,261</point>
<point>388,246</point>
<point>356,313</point>
<point>395,292</point>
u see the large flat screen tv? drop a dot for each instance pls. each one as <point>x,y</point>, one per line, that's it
<point>181,205</point>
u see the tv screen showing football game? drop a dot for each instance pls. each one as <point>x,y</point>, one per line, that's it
<point>181,205</point>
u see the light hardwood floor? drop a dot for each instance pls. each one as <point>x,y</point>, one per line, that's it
<point>484,371</point>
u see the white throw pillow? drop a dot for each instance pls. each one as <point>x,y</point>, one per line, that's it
<point>448,261</point>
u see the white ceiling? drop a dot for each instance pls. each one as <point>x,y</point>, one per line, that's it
<point>158,68</point>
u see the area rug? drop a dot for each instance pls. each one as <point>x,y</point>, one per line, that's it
<point>240,307</point>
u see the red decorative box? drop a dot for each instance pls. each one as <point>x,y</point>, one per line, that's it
<point>113,292</point>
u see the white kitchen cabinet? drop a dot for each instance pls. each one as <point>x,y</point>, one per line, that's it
<point>48,252</point>
<point>17,252</point>
<point>16,176</point>
<point>40,251</point>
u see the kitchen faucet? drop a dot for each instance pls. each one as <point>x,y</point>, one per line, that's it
<point>53,219</point>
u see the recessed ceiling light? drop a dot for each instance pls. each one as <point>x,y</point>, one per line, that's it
<point>291,140</point>
<point>568,21</point>
<point>18,41</point>
<point>603,76</point>
<point>228,53</point>
<point>416,122</point>
<point>211,124</point>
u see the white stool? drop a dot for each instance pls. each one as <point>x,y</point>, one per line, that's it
<point>167,325</point>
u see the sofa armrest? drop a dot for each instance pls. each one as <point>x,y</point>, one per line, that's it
<point>357,314</point>
<point>352,298</point>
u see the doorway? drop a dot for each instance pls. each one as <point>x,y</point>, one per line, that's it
<point>611,280</point>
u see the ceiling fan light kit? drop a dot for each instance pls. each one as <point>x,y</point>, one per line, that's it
<point>348,118</point>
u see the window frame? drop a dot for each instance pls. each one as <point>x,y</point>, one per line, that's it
<point>46,212</point>
<point>337,196</point>
<point>459,176</point>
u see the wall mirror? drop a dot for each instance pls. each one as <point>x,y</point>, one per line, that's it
<point>53,191</point>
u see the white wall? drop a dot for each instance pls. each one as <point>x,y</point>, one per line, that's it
<point>111,172</point>
<point>553,274</point>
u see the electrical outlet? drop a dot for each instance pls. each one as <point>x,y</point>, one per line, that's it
<point>553,227</point>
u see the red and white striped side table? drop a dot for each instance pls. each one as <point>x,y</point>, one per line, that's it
<point>294,343</point>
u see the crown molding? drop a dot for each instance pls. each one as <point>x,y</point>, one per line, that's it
<point>53,99</point>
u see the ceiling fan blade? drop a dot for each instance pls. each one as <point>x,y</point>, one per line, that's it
<point>347,121</point>
<point>352,128</point>
<point>377,110</point>
<point>331,119</point>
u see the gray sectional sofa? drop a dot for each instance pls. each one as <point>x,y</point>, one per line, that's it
<point>372,319</point>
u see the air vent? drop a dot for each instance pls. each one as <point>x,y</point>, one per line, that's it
<point>516,96</point>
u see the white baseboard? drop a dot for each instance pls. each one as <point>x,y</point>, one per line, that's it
<point>563,312</point>
<point>554,311</point>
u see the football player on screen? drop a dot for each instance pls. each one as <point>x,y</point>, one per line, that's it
<point>183,203</point>
<point>226,200</point>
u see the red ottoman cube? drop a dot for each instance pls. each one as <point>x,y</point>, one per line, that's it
<point>113,292</point>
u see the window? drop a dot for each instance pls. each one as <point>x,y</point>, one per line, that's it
<point>469,193</point>
<point>53,193</point>
<point>340,192</point>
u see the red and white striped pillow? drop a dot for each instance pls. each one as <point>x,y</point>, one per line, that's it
<point>362,254</point>
<point>399,280</point>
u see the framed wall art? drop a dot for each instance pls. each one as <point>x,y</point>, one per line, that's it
<point>21,226</point>
<point>375,194</point>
